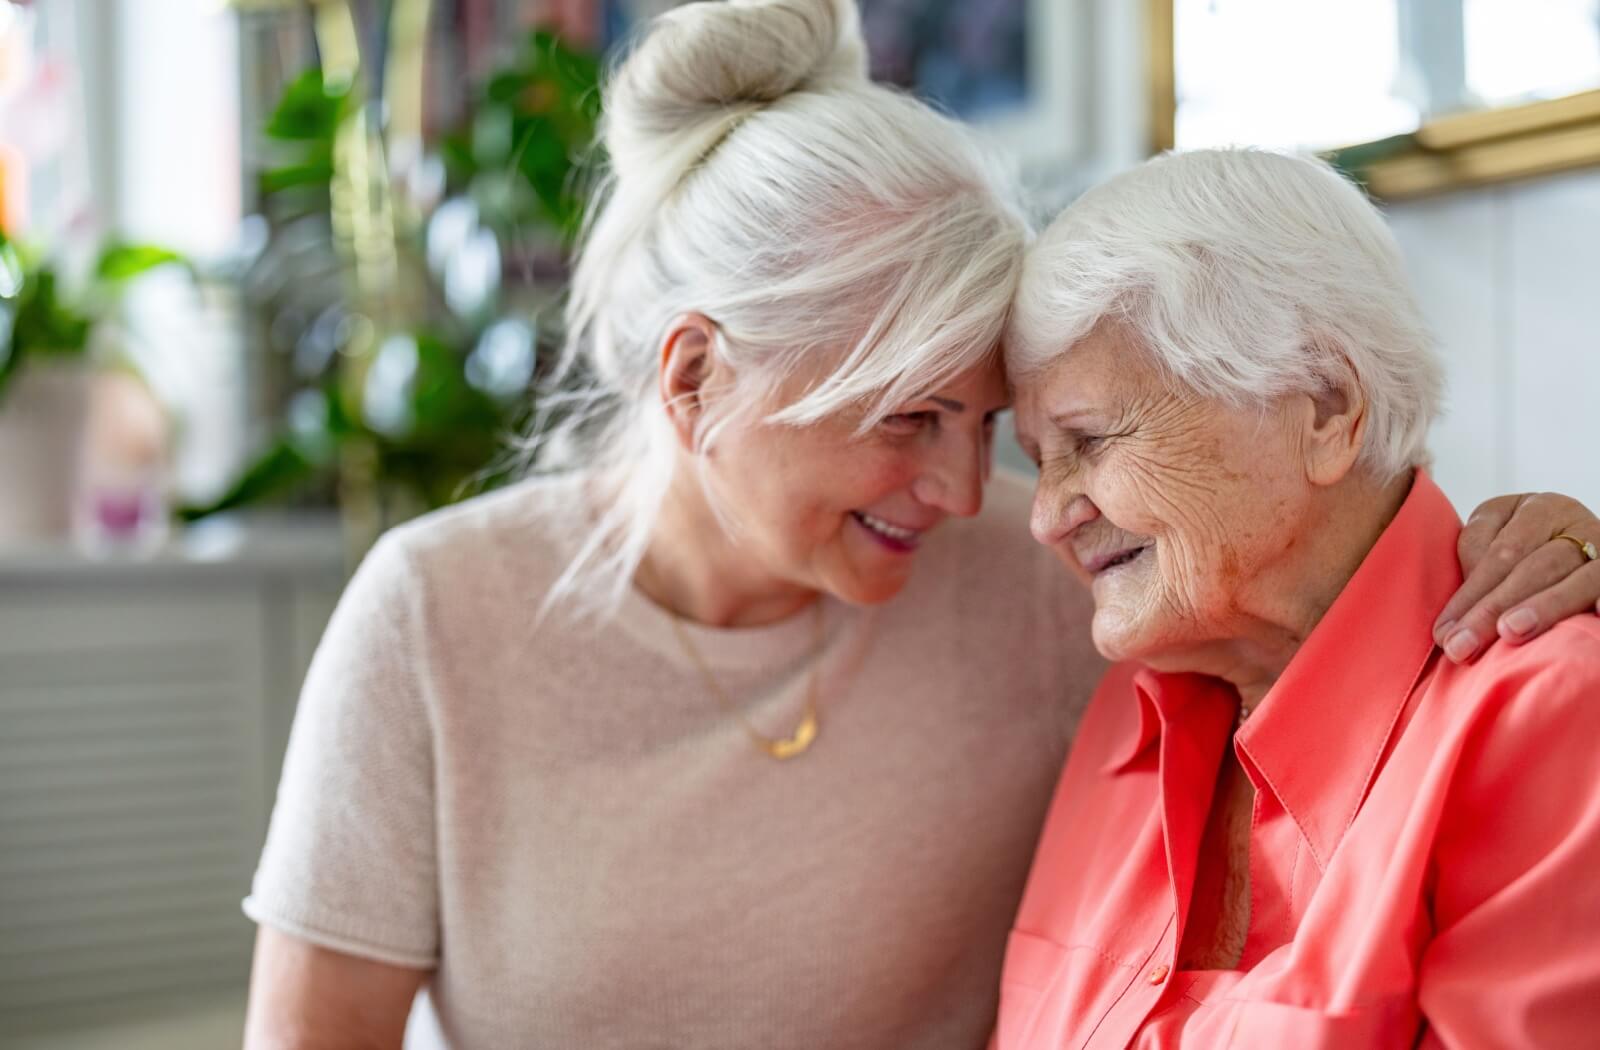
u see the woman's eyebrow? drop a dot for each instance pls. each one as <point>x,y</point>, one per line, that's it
<point>1072,418</point>
<point>948,403</point>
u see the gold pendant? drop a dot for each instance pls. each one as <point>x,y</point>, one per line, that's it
<point>804,734</point>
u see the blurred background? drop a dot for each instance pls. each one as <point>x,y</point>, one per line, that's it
<point>276,274</point>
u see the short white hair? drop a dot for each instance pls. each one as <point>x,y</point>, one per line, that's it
<point>1247,275</point>
<point>827,226</point>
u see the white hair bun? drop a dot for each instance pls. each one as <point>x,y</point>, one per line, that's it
<point>702,67</point>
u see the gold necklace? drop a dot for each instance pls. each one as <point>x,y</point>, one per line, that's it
<point>781,748</point>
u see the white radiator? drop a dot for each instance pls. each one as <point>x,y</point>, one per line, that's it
<point>141,729</point>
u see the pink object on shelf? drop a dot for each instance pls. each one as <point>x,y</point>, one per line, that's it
<point>121,506</point>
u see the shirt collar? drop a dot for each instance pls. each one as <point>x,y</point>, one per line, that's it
<point>1317,736</point>
<point>1146,687</point>
<point>1172,703</point>
<point>1318,750</point>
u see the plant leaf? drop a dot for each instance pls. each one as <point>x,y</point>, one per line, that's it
<point>309,110</point>
<point>44,324</point>
<point>277,470</point>
<point>121,262</point>
<point>10,352</point>
<point>289,176</point>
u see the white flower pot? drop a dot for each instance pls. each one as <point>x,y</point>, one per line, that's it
<point>43,412</point>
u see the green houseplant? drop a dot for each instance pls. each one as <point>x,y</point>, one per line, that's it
<point>405,305</point>
<point>38,322</point>
<point>46,343</point>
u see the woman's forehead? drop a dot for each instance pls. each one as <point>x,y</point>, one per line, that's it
<point>1093,361</point>
<point>984,386</point>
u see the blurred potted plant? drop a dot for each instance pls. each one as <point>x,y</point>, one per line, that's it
<point>404,288</point>
<point>46,343</point>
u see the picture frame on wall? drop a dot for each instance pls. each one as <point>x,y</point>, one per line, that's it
<point>1014,69</point>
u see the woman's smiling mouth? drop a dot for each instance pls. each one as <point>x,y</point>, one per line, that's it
<point>1101,563</point>
<point>896,538</point>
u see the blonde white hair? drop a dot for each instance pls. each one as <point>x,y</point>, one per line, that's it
<point>826,225</point>
<point>1247,275</point>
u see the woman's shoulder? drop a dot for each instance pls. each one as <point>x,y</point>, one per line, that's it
<point>1007,500</point>
<point>489,559</point>
<point>1557,671</point>
<point>523,527</point>
<point>994,551</point>
<point>1514,709</point>
<point>998,584</point>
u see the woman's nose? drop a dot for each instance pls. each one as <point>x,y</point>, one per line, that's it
<point>954,479</point>
<point>1056,513</point>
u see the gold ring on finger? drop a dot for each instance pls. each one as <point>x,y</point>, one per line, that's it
<point>1585,547</point>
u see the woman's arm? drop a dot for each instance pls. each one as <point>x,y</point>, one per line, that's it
<point>1520,581</point>
<point>305,997</point>
<point>349,860</point>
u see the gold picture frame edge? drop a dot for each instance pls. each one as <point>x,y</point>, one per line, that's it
<point>1462,151</point>
<point>1161,61</point>
<point>1419,172</point>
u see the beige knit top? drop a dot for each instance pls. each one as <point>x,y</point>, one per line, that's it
<point>560,822</point>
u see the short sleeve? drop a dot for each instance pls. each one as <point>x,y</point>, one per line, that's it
<point>350,858</point>
<point>1515,958</point>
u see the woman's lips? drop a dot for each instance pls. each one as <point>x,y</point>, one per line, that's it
<point>1113,559</point>
<point>897,538</point>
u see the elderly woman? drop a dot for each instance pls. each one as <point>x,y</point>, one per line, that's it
<point>1287,820</point>
<point>736,726</point>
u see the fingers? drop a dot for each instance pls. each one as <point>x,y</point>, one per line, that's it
<point>1487,557</point>
<point>1545,588</point>
<point>1576,593</point>
<point>1482,526</point>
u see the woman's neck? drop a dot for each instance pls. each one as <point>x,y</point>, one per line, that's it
<point>1287,600</point>
<point>696,571</point>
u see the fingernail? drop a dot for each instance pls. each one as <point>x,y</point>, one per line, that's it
<point>1520,621</point>
<point>1461,645</point>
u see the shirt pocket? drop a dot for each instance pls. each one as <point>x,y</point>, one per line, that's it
<point>1052,993</point>
<point>1031,966</point>
<point>1261,1025</point>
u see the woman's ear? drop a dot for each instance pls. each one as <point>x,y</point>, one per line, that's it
<point>1335,429</point>
<point>687,361</point>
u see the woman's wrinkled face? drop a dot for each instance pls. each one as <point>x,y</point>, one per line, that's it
<point>1172,507</point>
<point>825,508</point>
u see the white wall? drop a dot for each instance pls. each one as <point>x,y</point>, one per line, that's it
<point>1509,278</point>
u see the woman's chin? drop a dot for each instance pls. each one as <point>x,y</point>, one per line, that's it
<point>871,591</point>
<point>873,586</point>
<point>1118,636</point>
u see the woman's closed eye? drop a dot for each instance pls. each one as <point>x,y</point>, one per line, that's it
<point>1087,444</point>
<point>1071,451</point>
<point>910,422</point>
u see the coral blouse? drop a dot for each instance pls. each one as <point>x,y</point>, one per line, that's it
<point>1424,847</point>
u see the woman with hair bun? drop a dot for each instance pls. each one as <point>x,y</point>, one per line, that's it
<point>668,745</point>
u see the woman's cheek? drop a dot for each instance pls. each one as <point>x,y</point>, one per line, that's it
<point>893,472</point>
<point>1126,493</point>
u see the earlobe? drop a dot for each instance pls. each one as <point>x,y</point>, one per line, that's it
<point>1336,427</point>
<point>686,361</point>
